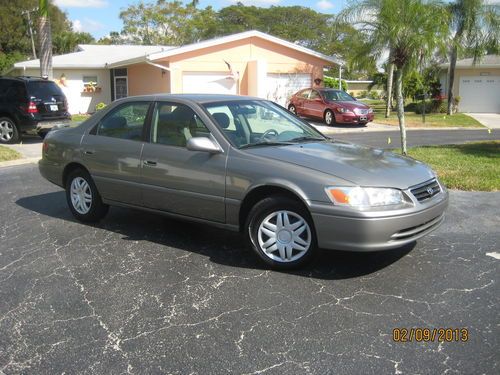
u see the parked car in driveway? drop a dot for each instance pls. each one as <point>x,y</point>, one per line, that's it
<point>244,164</point>
<point>30,105</point>
<point>331,106</point>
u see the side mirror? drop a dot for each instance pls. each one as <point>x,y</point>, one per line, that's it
<point>203,144</point>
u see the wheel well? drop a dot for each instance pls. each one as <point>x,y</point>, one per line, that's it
<point>9,116</point>
<point>258,194</point>
<point>70,168</point>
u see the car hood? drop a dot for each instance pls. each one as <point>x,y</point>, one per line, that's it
<point>350,105</point>
<point>362,165</point>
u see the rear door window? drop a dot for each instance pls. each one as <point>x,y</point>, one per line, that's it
<point>125,122</point>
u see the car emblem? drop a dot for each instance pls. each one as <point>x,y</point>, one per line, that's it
<point>430,190</point>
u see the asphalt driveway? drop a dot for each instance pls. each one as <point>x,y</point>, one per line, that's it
<point>141,294</point>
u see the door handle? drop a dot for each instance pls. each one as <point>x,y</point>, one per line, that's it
<point>150,163</point>
<point>88,152</point>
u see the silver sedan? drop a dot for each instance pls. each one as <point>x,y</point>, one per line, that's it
<point>247,165</point>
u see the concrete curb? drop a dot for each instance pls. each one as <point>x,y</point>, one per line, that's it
<point>21,161</point>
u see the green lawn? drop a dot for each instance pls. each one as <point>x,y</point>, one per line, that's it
<point>7,154</point>
<point>471,166</point>
<point>79,118</point>
<point>414,120</point>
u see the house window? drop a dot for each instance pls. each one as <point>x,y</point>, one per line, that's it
<point>89,79</point>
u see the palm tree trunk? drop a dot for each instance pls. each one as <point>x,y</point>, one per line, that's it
<point>388,102</point>
<point>400,109</point>
<point>45,39</point>
<point>451,79</point>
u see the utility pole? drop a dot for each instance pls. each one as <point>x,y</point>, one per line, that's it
<point>28,12</point>
<point>340,77</point>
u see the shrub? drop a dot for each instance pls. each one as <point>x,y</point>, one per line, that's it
<point>373,95</point>
<point>100,106</point>
<point>334,83</point>
<point>362,94</point>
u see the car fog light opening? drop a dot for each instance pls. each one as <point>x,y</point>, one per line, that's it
<point>359,197</point>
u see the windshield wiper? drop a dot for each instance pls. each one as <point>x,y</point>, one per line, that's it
<point>266,144</point>
<point>306,138</point>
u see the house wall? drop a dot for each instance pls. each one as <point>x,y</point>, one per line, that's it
<point>276,59</point>
<point>146,79</point>
<point>79,101</point>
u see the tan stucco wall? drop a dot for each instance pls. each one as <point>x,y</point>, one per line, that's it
<point>147,79</point>
<point>78,101</point>
<point>459,73</point>
<point>279,59</point>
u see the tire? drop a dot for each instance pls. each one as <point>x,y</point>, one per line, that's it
<point>329,118</point>
<point>8,131</point>
<point>83,199</point>
<point>292,109</point>
<point>291,248</point>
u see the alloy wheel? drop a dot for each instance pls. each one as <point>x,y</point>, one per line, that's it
<point>6,130</point>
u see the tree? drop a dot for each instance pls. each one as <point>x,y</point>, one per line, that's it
<point>45,38</point>
<point>67,41</point>
<point>410,29</point>
<point>475,27</point>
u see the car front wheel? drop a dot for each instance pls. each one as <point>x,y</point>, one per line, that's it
<point>83,198</point>
<point>8,131</point>
<point>281,233</point>
<point>329,117</point>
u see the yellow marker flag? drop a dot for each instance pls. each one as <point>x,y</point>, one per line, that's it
<point>389,140</point>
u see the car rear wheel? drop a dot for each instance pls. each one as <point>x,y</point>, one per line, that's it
<point>281,233</point>
<point>8,131</point>
<point>83,199</point>
<point>292,109</point>
<point>329,118</point>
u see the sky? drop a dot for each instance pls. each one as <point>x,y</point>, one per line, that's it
<point>99,17</point>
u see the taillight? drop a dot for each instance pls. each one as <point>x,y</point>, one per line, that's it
<point>45,147</point>
<point>32,108</point>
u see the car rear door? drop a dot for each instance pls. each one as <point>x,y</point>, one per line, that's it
<point>301,98</point>
<point>112,152</point>
<point>175,179</point>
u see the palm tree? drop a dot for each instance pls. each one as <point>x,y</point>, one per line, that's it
<point>410,30</point>
<point>45,39</point>
<point>474,25</point>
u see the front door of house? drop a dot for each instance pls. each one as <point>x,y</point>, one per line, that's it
<point>121,87</point>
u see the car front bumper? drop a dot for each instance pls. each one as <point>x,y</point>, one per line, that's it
<point>374,232</point>
<point>352,118</point>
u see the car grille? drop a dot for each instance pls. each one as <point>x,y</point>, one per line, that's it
<point>360,111</point>
<point>426,190</point>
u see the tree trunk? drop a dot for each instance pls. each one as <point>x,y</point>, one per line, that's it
<point>451,79</point>
<point>400,109</point>
<point>388,102</point>
<point>45,38</point>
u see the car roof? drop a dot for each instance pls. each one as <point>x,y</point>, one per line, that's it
<point>195,98</point>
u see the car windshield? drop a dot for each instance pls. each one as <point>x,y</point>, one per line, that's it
<point>337,96</point>
<point>249,123</point>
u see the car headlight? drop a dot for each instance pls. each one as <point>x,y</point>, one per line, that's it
<point>366,198</point>
<point>370,110</point>
<point>342,110</point>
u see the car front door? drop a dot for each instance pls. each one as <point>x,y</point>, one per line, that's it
<point>314,106</point>
<point>112,152</point>
<point>175,179</point>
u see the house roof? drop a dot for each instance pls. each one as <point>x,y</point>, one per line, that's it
<point>227,39</point>
<point>93,56</point>
<point>488,61</point>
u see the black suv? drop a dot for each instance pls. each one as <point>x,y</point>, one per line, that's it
<point>30,105</point>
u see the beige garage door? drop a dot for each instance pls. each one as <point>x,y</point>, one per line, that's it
<point>480,94</point>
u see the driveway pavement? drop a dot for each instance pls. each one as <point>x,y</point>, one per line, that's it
<point>141,294</point>
<point>490,120</point>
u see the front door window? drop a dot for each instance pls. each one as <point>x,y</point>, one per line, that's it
<point>121,87</point>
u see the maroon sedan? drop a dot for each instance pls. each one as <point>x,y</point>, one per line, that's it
<point>332,106</point>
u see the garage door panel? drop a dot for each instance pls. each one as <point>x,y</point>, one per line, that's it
<point>281,86</point>
<point>479,94</point>
<point>208,83</point>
